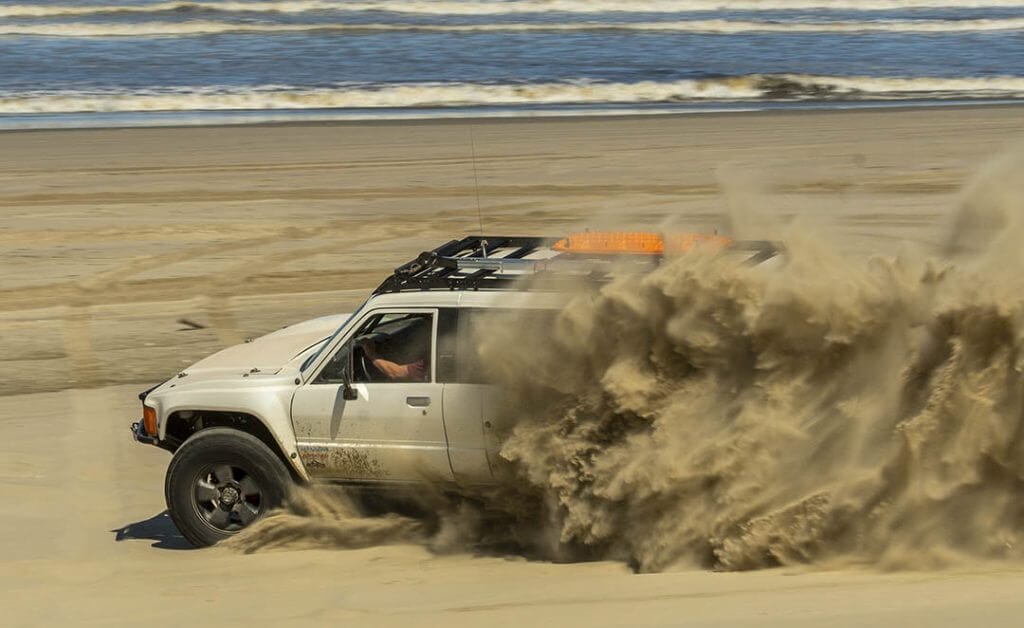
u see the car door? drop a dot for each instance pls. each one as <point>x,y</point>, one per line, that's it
<point>386,428</point>
<point>477,414</point>
<point>462,397</point>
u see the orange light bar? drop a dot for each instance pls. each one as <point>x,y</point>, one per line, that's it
<point>683,242</point>
<point>149,420</point>
<point>637,242</point>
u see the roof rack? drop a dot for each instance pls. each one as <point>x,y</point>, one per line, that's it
<point>501,262</point>
<point>471,263</point>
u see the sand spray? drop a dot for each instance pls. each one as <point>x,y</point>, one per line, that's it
<point>812,411</point>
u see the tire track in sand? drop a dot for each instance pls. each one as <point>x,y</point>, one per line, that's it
<point>215,293</point>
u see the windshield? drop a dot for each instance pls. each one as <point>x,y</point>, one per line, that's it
<point>312,358</point>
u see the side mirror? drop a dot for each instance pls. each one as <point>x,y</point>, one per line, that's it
<point>348,392</point>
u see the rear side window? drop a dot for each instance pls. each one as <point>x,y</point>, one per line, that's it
<point>468,338</point>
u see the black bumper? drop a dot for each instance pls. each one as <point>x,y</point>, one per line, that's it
<point>141,436</point>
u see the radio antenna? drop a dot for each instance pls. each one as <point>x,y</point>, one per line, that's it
<point>476,185</point>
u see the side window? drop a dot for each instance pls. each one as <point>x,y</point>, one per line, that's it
<point>338,368</point>
<point>447,344</point>
<point>472,328</point>
<point>469,338</point>
<point>392,347</point>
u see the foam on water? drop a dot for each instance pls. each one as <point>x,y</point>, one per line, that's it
<point>200,27</point>
<point>742,88</point>
<point>483,7</point>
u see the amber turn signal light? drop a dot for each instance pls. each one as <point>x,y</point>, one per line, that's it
<point>149,420</point>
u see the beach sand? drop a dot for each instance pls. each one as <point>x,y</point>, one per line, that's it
<point>110,238</point>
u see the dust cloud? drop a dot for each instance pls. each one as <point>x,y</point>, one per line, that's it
<point>814,410</point>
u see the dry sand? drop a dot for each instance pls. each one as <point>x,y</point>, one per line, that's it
<point>110,236</point>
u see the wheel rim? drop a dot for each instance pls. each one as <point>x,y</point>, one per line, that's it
<point>227,497</point>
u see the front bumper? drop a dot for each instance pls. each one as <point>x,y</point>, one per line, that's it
<point>141,436</point>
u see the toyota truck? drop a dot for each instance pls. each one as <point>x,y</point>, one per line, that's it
<point>393,394</point>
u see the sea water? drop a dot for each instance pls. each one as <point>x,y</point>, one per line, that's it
<point>82,63</point>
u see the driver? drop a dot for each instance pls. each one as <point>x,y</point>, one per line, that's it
<point>414,371</point>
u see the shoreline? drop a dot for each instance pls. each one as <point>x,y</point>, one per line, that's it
<point>391,117</point>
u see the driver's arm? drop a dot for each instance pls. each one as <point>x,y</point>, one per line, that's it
<point>392,370</point>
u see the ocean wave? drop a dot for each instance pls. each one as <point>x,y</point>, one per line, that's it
<point>197,27</point>
<point>480,7</point>
<point>423,95</point>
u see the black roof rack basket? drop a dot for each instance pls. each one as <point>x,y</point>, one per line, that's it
<point>451,265</point>
<point>502,262</point>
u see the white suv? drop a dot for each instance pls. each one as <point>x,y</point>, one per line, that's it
<point>390,394</point>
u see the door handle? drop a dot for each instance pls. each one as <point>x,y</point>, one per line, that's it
<point>417,402</point>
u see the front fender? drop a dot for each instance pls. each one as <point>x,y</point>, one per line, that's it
<point>270,405</point>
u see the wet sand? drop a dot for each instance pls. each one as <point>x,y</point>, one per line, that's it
<point>110,238</point>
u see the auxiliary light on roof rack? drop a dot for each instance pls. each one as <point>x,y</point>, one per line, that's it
<point>501,262</point>
<point>638,242</point>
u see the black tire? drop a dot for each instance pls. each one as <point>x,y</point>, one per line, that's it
<point>221,480</point>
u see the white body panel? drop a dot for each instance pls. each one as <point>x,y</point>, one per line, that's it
<point>467,443</point>
<point>377,437</point>
<point>244,379</point>
<point>266,397</point>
